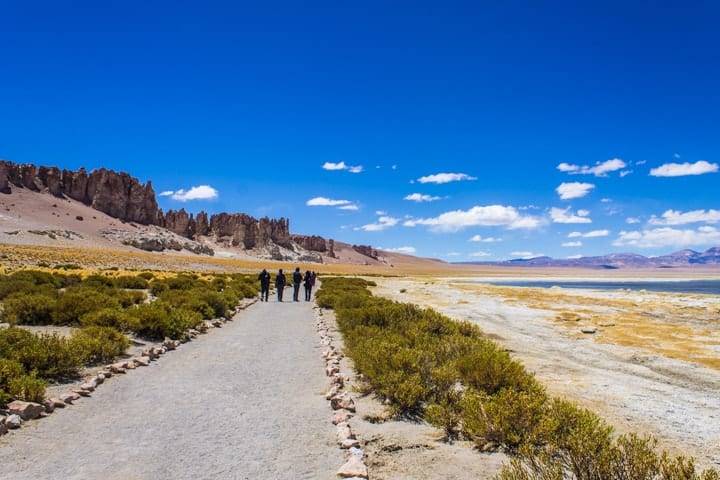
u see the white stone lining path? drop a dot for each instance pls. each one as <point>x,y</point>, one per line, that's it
<point>247,402</point>
<point>342,405</point>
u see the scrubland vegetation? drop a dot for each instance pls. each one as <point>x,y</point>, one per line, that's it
<point>103,308</point>
<point>429,367</point>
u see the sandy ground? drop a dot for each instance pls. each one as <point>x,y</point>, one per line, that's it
<point>243,402</point>
<point>638,370</point>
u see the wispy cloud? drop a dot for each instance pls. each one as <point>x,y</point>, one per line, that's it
<point>480,254</point>
<point>600,169</point>
<point>566,215</point>
<point>445,178</point>
<point>479,238</point>
<point>572,244</point>
<point>682,169</point>
<point>591,234</point>
<point>419,197</point>
<point>405,250</point>
<point>478,216</point>
<point>570,190</point>
<point>668,237</point>
<point>526,255</point>
<point>342,166</point>
<point>632,220</point>
<point>329,202</point>
<point>382,223</point>
<point>674,217</point>
<point>201,192</point>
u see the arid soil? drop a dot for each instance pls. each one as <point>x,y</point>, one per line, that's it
<point>650,367</point>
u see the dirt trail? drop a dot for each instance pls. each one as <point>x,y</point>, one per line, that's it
<point>244,402</point>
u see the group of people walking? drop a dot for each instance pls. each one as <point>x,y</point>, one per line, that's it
<point>308,280</point>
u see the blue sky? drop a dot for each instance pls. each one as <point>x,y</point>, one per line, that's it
<point>455,130</point>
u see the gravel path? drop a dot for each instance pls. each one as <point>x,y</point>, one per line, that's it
<point>243,402</point>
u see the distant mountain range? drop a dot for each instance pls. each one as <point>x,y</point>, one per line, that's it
<point>681,258</point>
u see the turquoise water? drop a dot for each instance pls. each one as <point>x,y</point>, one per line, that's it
<point>709,287</point>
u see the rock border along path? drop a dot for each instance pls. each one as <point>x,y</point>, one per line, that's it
<point>247,402</point>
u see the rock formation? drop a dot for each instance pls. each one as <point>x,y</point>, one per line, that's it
<point>312,243</point>
<point>230,229</point>
<point>366,250</point>
<point>116,194</point>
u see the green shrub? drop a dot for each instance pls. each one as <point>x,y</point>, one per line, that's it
<point>488,368</point>
<point>49,356</point>
<point>96,344</point>
<point>159,319</point>
<point>28,309</point>
<point>128,298</point>
<point>98,281</point>
<point>16,385</point>
<point>109,317</point>
<point>78,301</point>
<point>146,275</point>
<point>509,418</point>
<point>131,282</point>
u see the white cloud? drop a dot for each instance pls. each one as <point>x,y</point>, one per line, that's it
<point>342,166</point>
<point>625,173</point>
<point>485,216</point>
<point>478,238</point>
<point>201,192</point>
<point>591,234</point>
<point>632,220</point>
<point>600,169</point>
<point>570,190</point>
<point>673,217</point>
<point>681,169</point>
<point>606,200</point>
<point>418,197</point>
<point>574,257</point>
<point>381,224</point>
<point>560,215</point>
<point>445,178</point>
<point>572,244</point>
<point>480,254</point>
<point>668,237</point>
<point>326,202</point>
<point>351,207</point>
<point>676,155</point>
<point>405,250</point>
<point>166,193</point>
<point>526,255</point>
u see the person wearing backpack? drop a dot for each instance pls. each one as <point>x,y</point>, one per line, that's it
<point>309,282</point>
<point>264,278</point>
<point>280,282</point>
<point>297,279</point>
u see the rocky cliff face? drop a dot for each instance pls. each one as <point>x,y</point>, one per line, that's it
<point>312,243</point>
<point>366,250</point>
<point>117,194</point>
<point>231,229</point>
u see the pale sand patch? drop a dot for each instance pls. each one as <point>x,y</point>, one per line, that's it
<point>637,371</point>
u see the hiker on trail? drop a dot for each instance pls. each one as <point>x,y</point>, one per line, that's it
<point>309,282</point>
<point>297,279</point>
<point>280,282</point>
<point>264,278</point>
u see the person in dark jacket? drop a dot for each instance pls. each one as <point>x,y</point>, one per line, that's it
<point>297,279</point>
<point>280,282</point>
<point>309,282</point>
<point>264,278</point>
